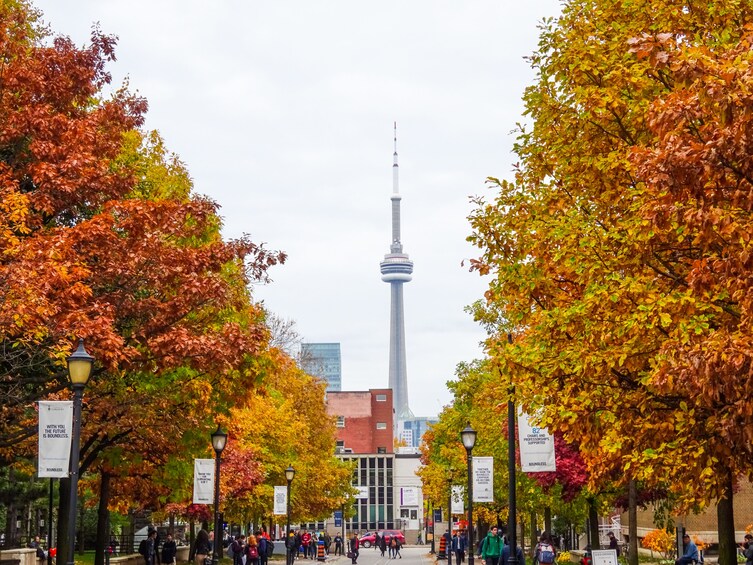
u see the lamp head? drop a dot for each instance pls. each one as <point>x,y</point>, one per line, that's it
<point>290,473</point>
<point>468,435</point>
<point>80,365</point>
<point>219,439</point>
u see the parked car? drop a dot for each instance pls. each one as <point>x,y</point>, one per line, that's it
<point>368,539</point>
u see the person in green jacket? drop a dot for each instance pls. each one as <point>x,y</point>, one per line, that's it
<point>492,547</point>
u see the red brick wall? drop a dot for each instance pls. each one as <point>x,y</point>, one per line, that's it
<point>362,412</point>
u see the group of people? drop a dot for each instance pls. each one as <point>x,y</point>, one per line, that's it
<point>389,544</point>
<point>495,550</point>
<point>150,550</point>
<point>306,543</point>
<point>256,549</point>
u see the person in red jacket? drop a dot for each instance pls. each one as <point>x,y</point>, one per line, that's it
<point>306,543</point>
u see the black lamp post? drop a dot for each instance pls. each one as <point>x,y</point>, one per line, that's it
<point>219,440</point>
<point>450,474</point>
<point>468,436</point>
<point>79,370</point>
<point>433,528</point>
<point>512,521</point>
<point>289,476</point>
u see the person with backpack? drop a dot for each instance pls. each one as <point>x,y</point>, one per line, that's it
<point>201,547</point>
<point>395,546</point>
<point>235,549</point>
<point>544,553</point>
<point>518,555</point>
<point>491,548</point>
<point>252,551</point>
<point>264,544</point>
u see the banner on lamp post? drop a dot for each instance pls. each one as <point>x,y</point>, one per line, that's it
<point>281,501</point>
<point>536,447</point>
<point>203,481</point>
<point>483,479</point>
<point>55,430</point>
<point>458,506</point>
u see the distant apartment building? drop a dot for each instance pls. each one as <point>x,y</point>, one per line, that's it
<point>323,360</point>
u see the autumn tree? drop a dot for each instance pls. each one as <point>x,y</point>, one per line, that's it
<point>618,254</point>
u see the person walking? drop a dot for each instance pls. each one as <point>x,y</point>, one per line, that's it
<point>382,542</point>
<point>338,545</point>
<point>491,549</point>
<point>544,553</point>
<point>518,555</point>
<point>169,550</point>
<point>395,545</point>
<point>252,551</point>
<point>459,543</point>
<point>263,544</point>
<point>353,548</point>
<point>201,548</point>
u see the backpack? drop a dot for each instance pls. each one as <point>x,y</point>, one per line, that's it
<point>269,549</point>
<point>230,551</point>
<point>546,553</point>
<point>142,547</point>
<point>253,551</point>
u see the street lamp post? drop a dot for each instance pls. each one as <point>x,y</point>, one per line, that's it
<point>433,529</point>
<point>468,436</point>
<point>450,473</point>
<point>79,370</point>
<point>289,475</point>
<point>512,521</point>
<point>219,440</point>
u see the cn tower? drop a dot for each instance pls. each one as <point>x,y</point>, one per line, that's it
<point>396,270</point>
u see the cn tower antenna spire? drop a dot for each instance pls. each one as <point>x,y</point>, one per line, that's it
<point>396,269</point>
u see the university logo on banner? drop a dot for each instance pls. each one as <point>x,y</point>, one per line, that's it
<point>536,447</point>
<point>281,501</point>
<point>457,506</point>
<point>55,429</point>
<point>203,481</point>
<point>483,479</point>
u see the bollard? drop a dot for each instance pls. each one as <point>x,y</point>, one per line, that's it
<point>320,550</point>
<point>442,548</point>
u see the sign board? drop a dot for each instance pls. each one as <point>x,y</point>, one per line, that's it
<point>203,481</point>
<point>458,506</point>
<point>437,515</point>
<point>281,501</point>
<point>338,518</point>
<point>604,557</point>
<point>536,447</point>
<point>363,493</point>
<point>409,496</point>
<point>483,479</point>
<point>55,429</point>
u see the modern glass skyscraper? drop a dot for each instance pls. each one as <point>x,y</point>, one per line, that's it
<point>323,360</point>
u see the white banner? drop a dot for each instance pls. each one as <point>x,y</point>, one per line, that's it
<point>281,501</point>
<point>55,429</point>
<point>409,496</point>
<point>536,447</point>
<point>203,481</point>
<point>458,506</point>
<point>483,479</point>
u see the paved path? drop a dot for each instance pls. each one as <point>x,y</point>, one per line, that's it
<point>412,555</point>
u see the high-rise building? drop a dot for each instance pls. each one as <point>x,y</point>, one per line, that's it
<point>396,269</point>
<point>323,360</point>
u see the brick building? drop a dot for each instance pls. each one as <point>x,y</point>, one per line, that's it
<point>365,420</point>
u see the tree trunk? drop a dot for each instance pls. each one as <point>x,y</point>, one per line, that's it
<point>726,524</point>
<point>103,520</point>
<point>633,523</point>
<point>593,523</point>
<point>548,520</point>
<point>534,531</point>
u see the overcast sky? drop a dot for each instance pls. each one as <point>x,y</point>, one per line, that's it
<point>283,112</point>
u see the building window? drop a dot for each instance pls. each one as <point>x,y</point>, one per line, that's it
<point>381,425</point>
<point>381,450</point>
<point>381,398</point>
<point>340,422</point>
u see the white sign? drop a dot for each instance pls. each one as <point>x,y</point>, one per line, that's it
<point>457,506</point>
<point>604,557</point>
<point>55,429</point>
<point>409,496</point>
<point>363,493</point>
<point>281,501</point>
<point>536,447</point>
<point>203,481</point>
<point>483,479</point>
